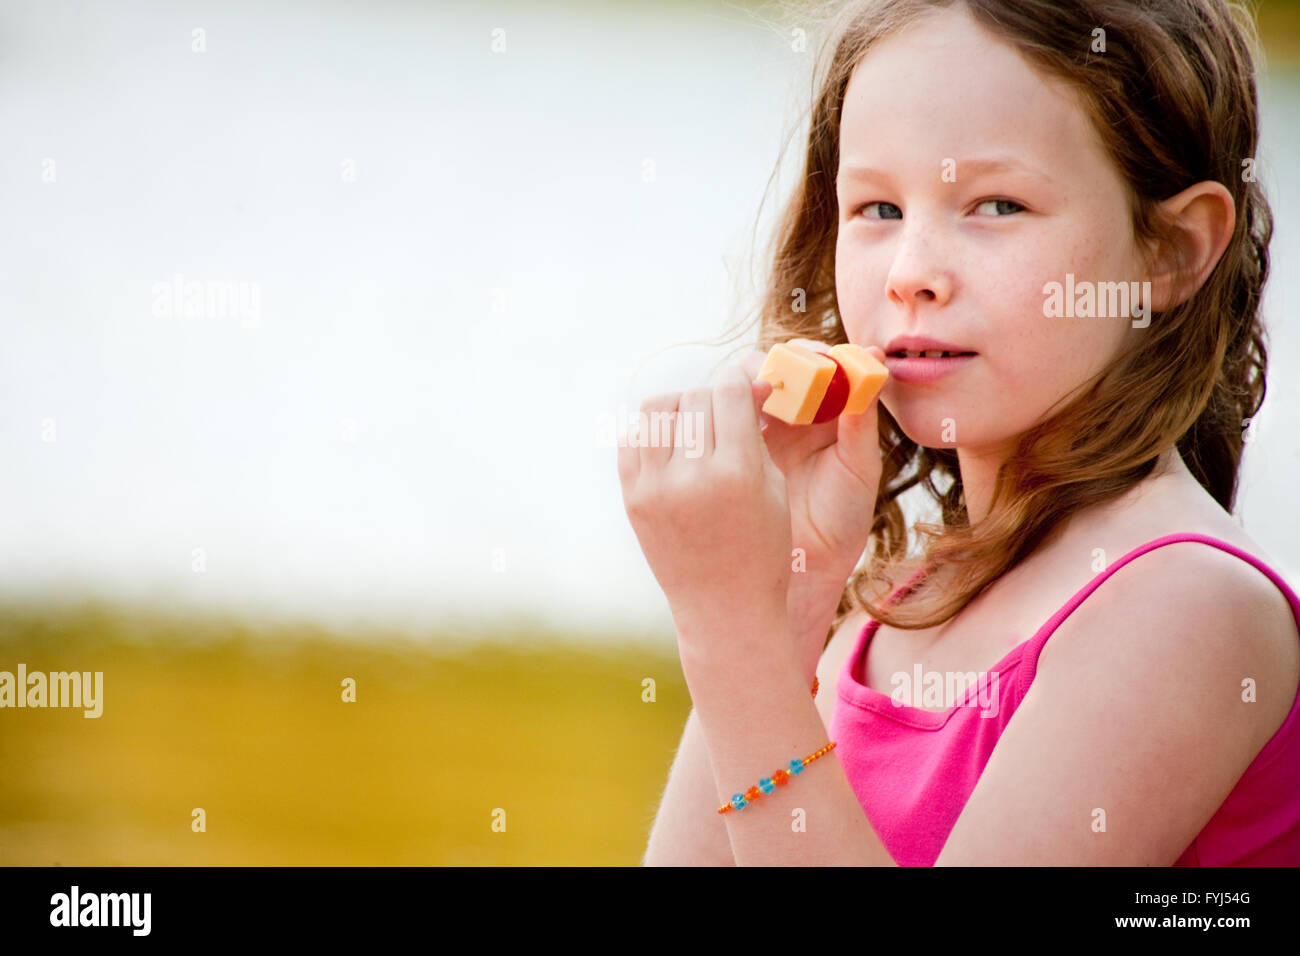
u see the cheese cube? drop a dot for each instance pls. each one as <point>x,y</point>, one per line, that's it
<point>867,376</point>
<point>799,379</point>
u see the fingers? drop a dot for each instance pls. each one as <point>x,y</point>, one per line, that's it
<point>678,425</point>
<point>857,442</point>
<point>735,418</point>
<point>629,462</point>
<point>660,413</point>
<point>694,424</point>
<point>752,363</point>
<point>760,391</point>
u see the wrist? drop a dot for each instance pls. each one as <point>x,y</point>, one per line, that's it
<point>709,640</point>
<point>812,601</point>
<point>811,612</point>
<point>724,677</point>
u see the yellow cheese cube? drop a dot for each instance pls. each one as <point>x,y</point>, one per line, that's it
<point>799,378</point>
<point>867,376</point>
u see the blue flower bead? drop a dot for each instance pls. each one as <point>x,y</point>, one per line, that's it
<point>796,766</point>
<point>766,785</point>
<point>738,801</point>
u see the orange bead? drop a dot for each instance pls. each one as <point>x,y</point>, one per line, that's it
<point>781,777</point>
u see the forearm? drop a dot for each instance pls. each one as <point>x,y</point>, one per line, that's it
<point>756,716</point>
<point>688,830</point>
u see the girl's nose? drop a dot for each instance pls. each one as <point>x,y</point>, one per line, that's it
<point>918,274</point>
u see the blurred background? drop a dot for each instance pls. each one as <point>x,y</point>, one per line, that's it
<point>313,321</point>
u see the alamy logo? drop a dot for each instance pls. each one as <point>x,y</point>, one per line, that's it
<point>1099,300</point>
<point>210,299</point>
<point>57,689</point>
<point>945,689</point>
<point>102,909</point>
<point>652,430</point>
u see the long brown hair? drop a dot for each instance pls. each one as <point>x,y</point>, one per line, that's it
<point>1174,101</point>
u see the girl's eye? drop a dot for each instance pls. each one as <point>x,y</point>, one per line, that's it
<point>1001,206</point>
<point>887,210</point>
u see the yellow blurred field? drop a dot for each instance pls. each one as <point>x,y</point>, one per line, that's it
<point>251,726</point>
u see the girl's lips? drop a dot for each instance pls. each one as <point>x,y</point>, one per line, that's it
<point>919,371</point>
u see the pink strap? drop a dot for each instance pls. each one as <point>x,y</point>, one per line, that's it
<point>1034,646</point>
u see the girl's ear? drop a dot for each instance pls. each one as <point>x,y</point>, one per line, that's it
<point>1202,218</point>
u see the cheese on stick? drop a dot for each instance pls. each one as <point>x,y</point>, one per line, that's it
<point>812,387</point>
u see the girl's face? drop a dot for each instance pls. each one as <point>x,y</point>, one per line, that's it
<point>967,182</point>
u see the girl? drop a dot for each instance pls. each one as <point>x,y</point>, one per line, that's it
<point>985,177</point>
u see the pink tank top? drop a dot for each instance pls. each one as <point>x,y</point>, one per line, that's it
<point>913,770</point>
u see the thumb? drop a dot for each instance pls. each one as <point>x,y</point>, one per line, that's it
<point>760,389</point>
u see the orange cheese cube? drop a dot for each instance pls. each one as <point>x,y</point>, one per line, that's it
<point>799,379</point>
<point>867,376</point>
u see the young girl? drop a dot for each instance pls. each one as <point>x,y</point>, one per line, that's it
<point>987,177</point>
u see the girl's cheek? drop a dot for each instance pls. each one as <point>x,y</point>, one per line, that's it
<point>855,311</point>
<point>851,280</point>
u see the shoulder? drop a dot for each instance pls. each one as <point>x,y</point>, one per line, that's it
<point>1188,599</point>
<point>1136,726</point>
<point>1191,629</point>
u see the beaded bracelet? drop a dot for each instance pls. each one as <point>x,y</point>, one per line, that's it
<point>779,778</point>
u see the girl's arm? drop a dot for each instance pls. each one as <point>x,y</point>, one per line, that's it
<point>688,830</point>
<point>717,530</point>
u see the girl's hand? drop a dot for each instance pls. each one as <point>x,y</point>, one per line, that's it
<point>709,508</point>
<point>832,475</point>
<point>832,471</point>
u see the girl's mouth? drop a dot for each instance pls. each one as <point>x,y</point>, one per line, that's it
<point>930,353</point>
<point>920,368</point>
